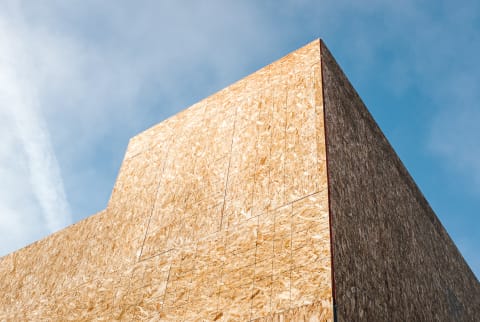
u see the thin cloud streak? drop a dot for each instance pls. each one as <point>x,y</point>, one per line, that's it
<point>19,104</point>
<point>45,177</point>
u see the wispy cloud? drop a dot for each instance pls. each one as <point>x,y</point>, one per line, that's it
<point>27,158</point>
<point>45,177</point>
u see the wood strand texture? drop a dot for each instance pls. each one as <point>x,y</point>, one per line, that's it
<point>219,213</point>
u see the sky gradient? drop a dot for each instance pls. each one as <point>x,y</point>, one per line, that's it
<point>79,78</point>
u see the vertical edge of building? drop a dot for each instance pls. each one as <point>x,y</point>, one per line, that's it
<point>392,258</point>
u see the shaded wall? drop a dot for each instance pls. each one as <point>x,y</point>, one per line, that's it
<point>393,260</point>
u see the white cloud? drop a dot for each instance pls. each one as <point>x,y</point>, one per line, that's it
<point>32,198</point>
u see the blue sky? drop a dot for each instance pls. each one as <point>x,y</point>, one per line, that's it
<point>79,78</point>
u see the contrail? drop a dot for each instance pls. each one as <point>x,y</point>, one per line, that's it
<point>45,174</point>
<point>18,99</point>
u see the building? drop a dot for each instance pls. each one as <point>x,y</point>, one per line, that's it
<point>276,199</point>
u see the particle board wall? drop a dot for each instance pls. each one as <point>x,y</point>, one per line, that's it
<point>393,260</point>
<point>218,213</point>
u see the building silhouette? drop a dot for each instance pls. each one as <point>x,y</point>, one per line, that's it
<point>276,199</point>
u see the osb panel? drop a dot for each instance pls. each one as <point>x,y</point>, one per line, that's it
<point>309,313</point>
<point>393,260</point>
<point>218,213</point>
